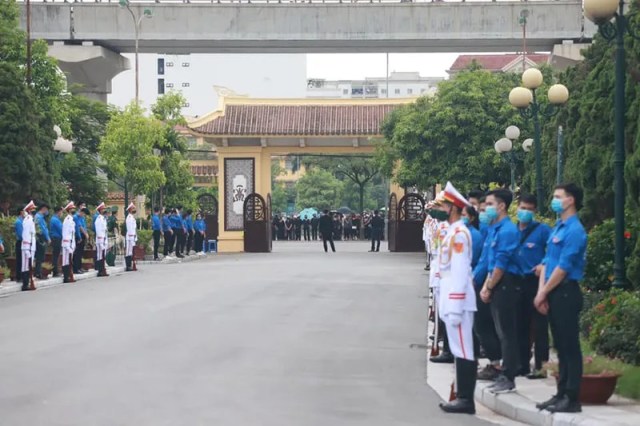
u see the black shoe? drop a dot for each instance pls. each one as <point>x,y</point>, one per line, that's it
<point>502,385</point>
<point>443,358</point>
<point>565,405</point>
<point>544,405</point>
<point>489,373</point>
<point>459,406</point>
<point>537,374</point>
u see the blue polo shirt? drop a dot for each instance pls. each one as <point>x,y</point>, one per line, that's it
<point>198,225</point>
<point>93,221</point>
<point>18,228</point>
<point>484,230</point>
<point>481,269</point>
<point>189,223</point>
<point>81,223</point>
<point>42,225</point>
<point>502,249</point>
<point>476,245</point>
<point>532,250</point>
<point>166,223</point>
<point>56,227</point>
<point>176,221</point>
<point>155,223</point>
<point>567,249</point>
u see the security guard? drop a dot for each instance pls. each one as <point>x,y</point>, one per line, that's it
<point>457,303</point>
<point>560,297</point>
<point>28,244</point>
<point>68,242</point>
<point>100,226</point>
<point>131,237</point>
<point>503,286</point>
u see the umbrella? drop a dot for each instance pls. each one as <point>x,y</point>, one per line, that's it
<point>307,213</point>
<point>345,210</point>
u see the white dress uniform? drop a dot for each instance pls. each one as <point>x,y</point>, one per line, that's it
<point>28,242</point>
<point>440,231</point>
<point>101,237</point>
<point>132,235</point>
<point>68,239</point>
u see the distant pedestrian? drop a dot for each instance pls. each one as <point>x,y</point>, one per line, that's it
<point>325,226</point>
<point>377,230</point>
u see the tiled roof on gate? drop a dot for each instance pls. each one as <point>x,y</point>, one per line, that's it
<point>495,62</point>
<point>285,119</point>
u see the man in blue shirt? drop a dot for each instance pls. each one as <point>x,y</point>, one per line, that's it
<point>199,229</point>
<point>188,222</point>
<point>176,226</point>
<point>42,238</point>
<point>531,250</point>
<point>156,227</point>
<point>560,297</point>
<point>477,197</point>
<point>56,238</point>
<point>81,238</point>
<point>167,231</point>
<point>503,286</point>
<point>17,226</point>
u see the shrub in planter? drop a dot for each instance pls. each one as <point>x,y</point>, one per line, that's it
<point>615,326</point>
<point>87,264</point>
<point>144,238</point>
<point>5,273</point>
<point>599,377</point>
<point>46,269</point>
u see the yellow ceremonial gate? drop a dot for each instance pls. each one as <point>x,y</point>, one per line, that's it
<point>248,132</point>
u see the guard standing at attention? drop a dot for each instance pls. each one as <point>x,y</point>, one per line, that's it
<point>28,244</point>
<point>560,297</point>
<point>68,242</point>
<point>100,225</point>
<point>457,303</point>
<point>132,236</point>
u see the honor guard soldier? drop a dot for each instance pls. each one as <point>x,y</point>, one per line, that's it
<point>28,245</point>
<point>457,303</point>
<point>131,238</point>
<point>100,226</point>
<point>68,242</point>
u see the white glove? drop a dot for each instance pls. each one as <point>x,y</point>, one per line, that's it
<point>454,319</point>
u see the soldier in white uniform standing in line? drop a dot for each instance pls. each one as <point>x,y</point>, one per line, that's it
<point>131,238</point>
<point>28,245</point>
<point>457,303</point>
<point>101,240</point>
<point>68,242</point>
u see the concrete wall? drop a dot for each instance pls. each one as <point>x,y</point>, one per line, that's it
<point>309,28</point>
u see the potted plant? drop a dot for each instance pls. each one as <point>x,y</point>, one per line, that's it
<point>87,263</point>
<point>142,245</point>
<point>4,272</point>
<point>11,265</point>
<point>45,270</point>
<point>599,378</point>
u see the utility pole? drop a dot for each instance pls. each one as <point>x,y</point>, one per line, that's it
<point>29,42</point>
<point>524,14</point>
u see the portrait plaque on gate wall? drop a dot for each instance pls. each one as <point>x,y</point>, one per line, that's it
<point>239,181</point>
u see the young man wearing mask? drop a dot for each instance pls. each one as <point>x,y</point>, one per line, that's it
<point>56,238</point>
<point>68,242</point>
<point>42,238</point>
<point>503,286</point>
<point>483,325</point>
<point>560,297</point>
<point>131,237</point>
<point>531,250</point>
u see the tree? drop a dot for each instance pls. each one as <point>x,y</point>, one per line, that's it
<point>127,149</point>
<point>319,188</point>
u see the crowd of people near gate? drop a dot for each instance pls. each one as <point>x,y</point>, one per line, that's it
<point>499,285</point>
<point>345,227</point>
<point>70,229</point>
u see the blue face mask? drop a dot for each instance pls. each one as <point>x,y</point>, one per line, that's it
<point>46,214</point>
<point>484,218</point>
<point>525,216</point>
<point>492,212</point>
<point>556,205</point>
<point>465,220</point>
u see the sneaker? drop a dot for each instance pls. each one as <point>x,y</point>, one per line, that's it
<point>503,385</point>
<point>489,373</point>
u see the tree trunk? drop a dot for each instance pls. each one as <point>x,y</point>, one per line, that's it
<point>361,186</point>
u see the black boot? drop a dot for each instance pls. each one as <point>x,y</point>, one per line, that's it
<point>565,405</point>
<point>65,274</point>
<point>25,281</point>
<point>102,270</point>
<point>466,380</point>
<point>127,261</point>
<point>443,358</point>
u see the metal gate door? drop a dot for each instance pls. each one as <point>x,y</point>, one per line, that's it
<point>256,225</point>
<point>269,223</point>
<point>209,208</point>
<point>410,223</point>
<point>392,224</point>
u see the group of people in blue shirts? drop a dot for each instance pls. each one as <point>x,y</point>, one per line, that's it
<point>526,277</point>
<point>180,231</point>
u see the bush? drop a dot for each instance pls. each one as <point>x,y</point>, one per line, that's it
<point>8,234</point>
<point>614,328</point>
<point>144,238</point>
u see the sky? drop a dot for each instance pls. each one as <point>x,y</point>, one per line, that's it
<point>358,66</point>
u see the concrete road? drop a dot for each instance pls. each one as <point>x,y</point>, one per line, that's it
<point>296,337</point>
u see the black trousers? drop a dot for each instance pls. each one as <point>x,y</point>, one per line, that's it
<point>534,327</point>
<point>156,243</point>
<point>505,305</point>
<point>182,240</point>
<point>39,257</point>
<point>189,241</point>
<point>328,237</point>
<point>18,261</point>
<point>168,237</point>
<point>485,330</point>
<point>198,240</point>
<point>307,234</point>
<point>565,304</point>
<point>56,244</point>
<point>314,233</point>
<point>77,255</point>
<point>375,240</point>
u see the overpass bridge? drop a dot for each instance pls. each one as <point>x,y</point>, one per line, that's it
<point>318,26</point>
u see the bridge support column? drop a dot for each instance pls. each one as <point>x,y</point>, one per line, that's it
<point>243,170</point>
<point>89,69</point>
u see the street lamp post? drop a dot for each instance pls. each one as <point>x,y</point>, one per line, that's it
<point>137,23</point>
<point>526,100</point>
<point>601,12</point>
<point>504,147</point>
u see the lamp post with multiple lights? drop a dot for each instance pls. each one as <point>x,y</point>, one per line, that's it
<point>504,147</point>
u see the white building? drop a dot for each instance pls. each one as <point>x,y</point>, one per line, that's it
<point>398,85</point>
<point>255,75</point>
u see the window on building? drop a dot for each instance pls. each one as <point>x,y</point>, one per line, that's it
<point>185,84</point>
<point>185,64</point>
<point>160,66</point>
<point>161,86</point>
<point>345,91</point>
<point>397,91</point>
<point>169,64</point>
<point>169,85</point>
<point>383,91</point>
<point>357,91</point>
<point>409,91</point>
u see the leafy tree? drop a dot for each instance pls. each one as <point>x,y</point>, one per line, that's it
<point>127,149</point>
<point>319,188</point>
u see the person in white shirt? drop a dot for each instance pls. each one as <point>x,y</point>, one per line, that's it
<point>101,240</point>
<point>131,238</point>
<point>28,245</point>
<point>68,242</point>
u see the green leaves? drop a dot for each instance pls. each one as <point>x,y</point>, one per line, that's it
<point>320,189</point>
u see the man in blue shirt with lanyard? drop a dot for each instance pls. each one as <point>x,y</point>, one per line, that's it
<point>559,295</point>
<point>56,238</point>
<point>503,286</point>
<point>156,227</point>
<point>531,251</point>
